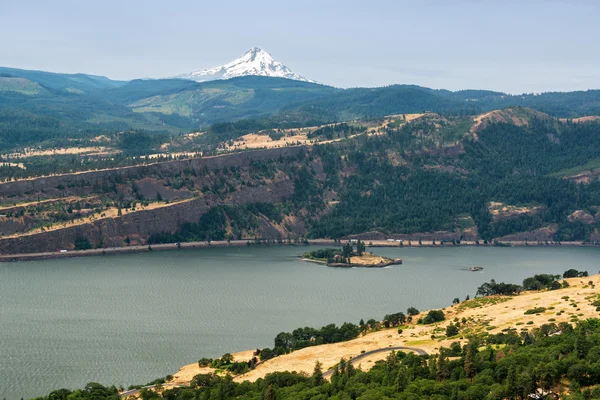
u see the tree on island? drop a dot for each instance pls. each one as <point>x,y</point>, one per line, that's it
<point>347,250</point>
<point>360,248</point>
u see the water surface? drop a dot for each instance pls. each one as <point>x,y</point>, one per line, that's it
<point>130,318</point>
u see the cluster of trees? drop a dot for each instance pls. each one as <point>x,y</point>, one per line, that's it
<point>432,317</point>
<point>322,254</point>
<point>492,288</point>
<point>227,362</point>
<point>560,359</point>
<point>139,142</point>
<point>573,273</point>
<point>536,282</point>
<point>286,342</point>
<point>391,320</point>
<point>542,281</point>
<point>342,130</point>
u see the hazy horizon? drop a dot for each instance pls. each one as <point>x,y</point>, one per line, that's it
<point>509,46</point>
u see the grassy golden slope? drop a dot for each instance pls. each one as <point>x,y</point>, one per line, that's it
<point>483,315</point>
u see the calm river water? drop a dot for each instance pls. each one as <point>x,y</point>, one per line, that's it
<point>131,318</point>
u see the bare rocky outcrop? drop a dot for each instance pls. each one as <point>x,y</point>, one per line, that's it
<point>581,216</point>
<point>518,116</point>
<point>501,211</point>
<point>538,235</point>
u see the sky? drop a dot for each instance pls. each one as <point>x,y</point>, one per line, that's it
<point>511,46</point>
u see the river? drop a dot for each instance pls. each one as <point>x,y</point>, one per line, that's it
<point>130,318</point>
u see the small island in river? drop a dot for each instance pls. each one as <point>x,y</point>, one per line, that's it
<point>348,256</point>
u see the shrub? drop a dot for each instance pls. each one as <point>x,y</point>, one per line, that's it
<point>492,288</point>
<point>573,273</point>
<point>536,310</point>
<point>434,316</point>
<point>451,330</point>
<point>205,362</point>
<point>412,311</point>
<point>542,281</point>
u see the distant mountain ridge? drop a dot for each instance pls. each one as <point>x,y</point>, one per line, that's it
<point>41,107</point>
<point>255,62</point>
<point>62,82</point>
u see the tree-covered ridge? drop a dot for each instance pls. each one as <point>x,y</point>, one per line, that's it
<point>86,106</point>
<point>441,178</point>
<point>401,175</point>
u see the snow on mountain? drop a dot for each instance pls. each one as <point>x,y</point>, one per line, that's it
<point>255,62</point>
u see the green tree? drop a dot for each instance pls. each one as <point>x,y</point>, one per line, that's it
<point>469,362</point>
<point>317,375</point>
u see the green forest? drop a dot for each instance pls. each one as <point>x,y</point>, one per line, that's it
<point>509,164</point>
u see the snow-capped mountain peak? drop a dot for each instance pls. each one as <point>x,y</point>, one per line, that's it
<point>255,62</point>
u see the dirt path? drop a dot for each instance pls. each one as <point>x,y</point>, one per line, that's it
<point>354,360</point>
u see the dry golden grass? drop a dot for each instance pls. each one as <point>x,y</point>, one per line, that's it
<point>89,151</point>
<point>490,315</point>
<point>368,259</point>
<point>261,141</point>
<point>111,212</point>
<point>186,373</point>
<point>41,202</point>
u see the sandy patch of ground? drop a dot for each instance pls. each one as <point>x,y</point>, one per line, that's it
<point>368,259</point>
<point>111,212</point>
<point>41,202</point>
<point>90,151</point>
<point>261,141</point>
<point>186,373</point>
<point>501,211</point>
<point>295,136</point>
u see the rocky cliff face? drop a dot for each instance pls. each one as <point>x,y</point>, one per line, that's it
<point>83,183</point>
<point>84,205</point>
<point>138,225</point>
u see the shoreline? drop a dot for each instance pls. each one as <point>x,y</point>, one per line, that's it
<point>420,338</point>
<point>244,242</point>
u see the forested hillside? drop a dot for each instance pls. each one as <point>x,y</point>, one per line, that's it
<point>48,109</point>
<point>509,175</point>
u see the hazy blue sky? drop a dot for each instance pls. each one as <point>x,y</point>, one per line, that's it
<point>514,46</point>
